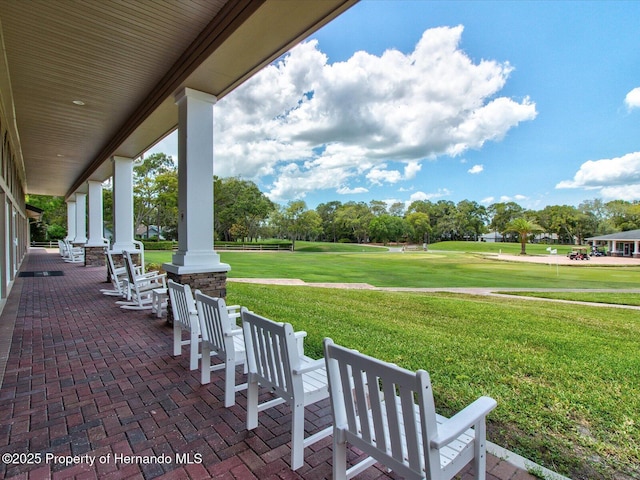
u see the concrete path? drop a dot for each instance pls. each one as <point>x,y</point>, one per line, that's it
<point>463,290</point>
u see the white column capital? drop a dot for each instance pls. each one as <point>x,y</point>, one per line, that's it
<point>195,94</point>
<point>118,159</point>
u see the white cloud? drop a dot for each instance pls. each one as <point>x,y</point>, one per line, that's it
<point>515,198</point>
<point>442,192</point>
<point>622,192</point>
<point>351,191</point>
<point>422,196</point>
<point>379,175</point>
<point>476,169</point>
<point>315,125</point>
<point>411,169</point>
<point>504,199</point>
<point>611,172</point>
<point>632,100</point>
<point>616,178</point>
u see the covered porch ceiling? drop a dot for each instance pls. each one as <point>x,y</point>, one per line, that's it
<point>81,81</point>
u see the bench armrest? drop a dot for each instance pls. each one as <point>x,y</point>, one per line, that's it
<point>309,366</point>
<point>461,421</point>
<point>300,341</point>
<point>233,332</point>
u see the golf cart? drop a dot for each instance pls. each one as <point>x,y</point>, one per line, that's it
<point>578,253</point>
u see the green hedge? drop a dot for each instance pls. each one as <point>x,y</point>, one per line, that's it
<point>282,243</point>
<point>158,244</point>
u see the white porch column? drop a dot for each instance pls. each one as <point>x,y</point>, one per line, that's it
<point>71,219</point>
<point>123,234</point>
<point>195,186</point>
<point>614,246</point>
<point>636,248</point>
<point>81,219</point>
<point>96,215</point>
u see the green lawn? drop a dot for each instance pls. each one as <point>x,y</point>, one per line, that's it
<point>492,247</point>
<point>418,269</point>
<point>594,297</point>
<point>565,376</point>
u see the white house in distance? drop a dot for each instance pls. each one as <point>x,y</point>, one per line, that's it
<point>620,244</point>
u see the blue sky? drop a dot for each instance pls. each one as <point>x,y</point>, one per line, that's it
<point>536,102</point>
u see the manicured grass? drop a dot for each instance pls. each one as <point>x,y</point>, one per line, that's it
<point>594,297</point>
<point>418,269</point>
<point>565,376</point>
<point>499,247</point>
<point>310,247</point>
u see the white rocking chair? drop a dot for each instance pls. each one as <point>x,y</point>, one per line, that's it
<point>118,277</point>
<point>388,413</point>
<point>73,254</point>
<point>140,287</point>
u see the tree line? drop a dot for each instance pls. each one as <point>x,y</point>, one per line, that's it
<point>243,213</point>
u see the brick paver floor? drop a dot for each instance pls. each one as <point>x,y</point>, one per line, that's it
<point>90,383</point>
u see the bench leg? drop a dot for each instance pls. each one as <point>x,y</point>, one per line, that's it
<point>252,403</point>
<point>297,436</point>
<point>205,365</point>
<point>480,451</point>
<point>177,339</point>
<point>193,349</point>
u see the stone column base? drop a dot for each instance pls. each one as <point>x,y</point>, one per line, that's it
<point>213,284</point>
<point>94,257</point>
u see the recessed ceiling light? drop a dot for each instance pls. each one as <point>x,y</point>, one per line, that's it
<point>78,102</point>
<point>60,155</point>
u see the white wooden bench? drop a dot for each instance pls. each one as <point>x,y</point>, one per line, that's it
<point>185,317</point>
<point>221,337</point>
<point>389,413</point>
<point>276,363</point>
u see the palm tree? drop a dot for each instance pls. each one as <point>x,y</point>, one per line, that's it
<point>523,228</point>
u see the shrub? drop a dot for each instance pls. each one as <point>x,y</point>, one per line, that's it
<point>158,245</point>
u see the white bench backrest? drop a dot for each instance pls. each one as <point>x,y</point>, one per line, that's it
<point>386,411</point>
<point>272,354</point>
<point>183,306</point>
<point>215,324</point>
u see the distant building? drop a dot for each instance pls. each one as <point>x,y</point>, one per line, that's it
<point>546,238</point>
<point>621,244</point>
<point>491,237</point>
<point>151,231</point>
